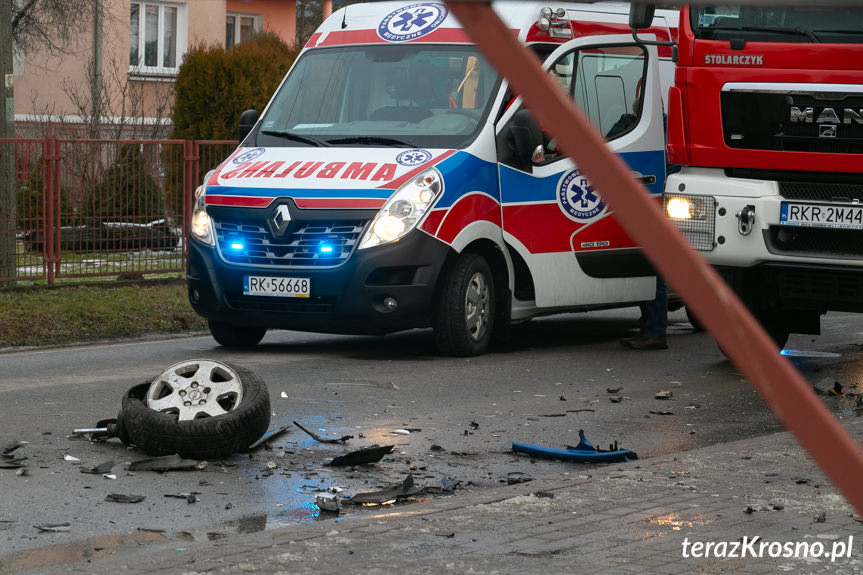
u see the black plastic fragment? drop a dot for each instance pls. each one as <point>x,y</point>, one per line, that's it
<point>122,498</point>
<point>363,456</point>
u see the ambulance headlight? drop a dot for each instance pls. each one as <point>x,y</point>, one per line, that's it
<point>202,225</point>
<point>404,210</point>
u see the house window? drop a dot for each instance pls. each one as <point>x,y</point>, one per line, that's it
<point>156,37</point>
<point>239,28</point>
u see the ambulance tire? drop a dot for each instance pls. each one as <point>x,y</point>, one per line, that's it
<point>696,325</point>
<point>205,438</point>
<point>229,335</point>
<point>464,311</point>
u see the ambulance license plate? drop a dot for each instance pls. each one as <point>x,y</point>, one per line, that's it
<point>846,216</point>
<point>277,287</point>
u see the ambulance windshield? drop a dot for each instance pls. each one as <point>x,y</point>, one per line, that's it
<point>391,95</point>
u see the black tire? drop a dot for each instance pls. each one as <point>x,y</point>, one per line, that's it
<point>229,335</point>
<point>206,438</point>
<point>464,311</point>
<point>696,325</point>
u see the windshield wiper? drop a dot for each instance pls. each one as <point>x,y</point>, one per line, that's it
<point>798,31</point>
<point>295,137</point>
<point>372,140</point>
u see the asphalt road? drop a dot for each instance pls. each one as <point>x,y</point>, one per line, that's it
<point>551,381</point>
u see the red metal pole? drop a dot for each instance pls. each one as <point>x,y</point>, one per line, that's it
<point>701,288</point>
<point>50,231</point>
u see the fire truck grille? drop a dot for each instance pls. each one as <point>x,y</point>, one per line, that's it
<point>815,242</point>
<point>793,122</point>
<point>821,191</point>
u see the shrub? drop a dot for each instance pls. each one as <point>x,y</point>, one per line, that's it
<point>127,191</point>
<point>29,197</point>
<point>214,86</point>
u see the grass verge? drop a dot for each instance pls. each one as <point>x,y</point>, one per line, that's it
<point>36,316</point>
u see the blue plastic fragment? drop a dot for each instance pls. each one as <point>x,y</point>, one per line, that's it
<point>584,452</point>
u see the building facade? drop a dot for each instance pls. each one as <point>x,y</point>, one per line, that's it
<point>116,79</point>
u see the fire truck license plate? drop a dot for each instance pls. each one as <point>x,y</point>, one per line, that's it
<point>278,287</point>
<point>822,215</point>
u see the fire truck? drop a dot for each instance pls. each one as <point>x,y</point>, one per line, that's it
<point>766,119</point>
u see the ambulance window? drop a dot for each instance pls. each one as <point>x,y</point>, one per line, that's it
<point>606,83</point>
<point>610,87</point>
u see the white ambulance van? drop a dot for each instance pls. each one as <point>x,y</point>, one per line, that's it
<point>395,182</point>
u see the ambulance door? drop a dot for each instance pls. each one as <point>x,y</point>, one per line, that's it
<point>576,251</point>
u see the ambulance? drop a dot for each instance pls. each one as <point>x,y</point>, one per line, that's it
<point>394,181</point>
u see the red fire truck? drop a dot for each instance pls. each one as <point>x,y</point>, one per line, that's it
<point>766,118</point>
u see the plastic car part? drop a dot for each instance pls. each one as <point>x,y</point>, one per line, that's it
<point>584,452</point>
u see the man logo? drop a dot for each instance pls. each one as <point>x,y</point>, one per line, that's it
<point>281,220</point>
<point>827,131</point>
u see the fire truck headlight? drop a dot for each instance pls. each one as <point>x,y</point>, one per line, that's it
<point>680,208</point>
<point>404,210</point>
<point>695,216</point>
<point>202,226</point>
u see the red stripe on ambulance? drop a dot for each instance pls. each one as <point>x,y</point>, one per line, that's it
<point>239,201</point>
<point>470,208</point>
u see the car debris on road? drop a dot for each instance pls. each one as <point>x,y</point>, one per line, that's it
<point>584,452</point>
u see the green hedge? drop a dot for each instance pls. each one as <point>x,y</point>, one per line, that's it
<point>214,85</point>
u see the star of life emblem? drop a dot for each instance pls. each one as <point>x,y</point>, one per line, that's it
<point>410,22</point>
<point>412,158</point>
<point>248,155</point>
<point>577,198</point>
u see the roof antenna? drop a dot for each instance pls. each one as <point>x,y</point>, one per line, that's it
<point>345,16</point>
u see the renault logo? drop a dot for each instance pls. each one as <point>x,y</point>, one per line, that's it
<point>281,219</point>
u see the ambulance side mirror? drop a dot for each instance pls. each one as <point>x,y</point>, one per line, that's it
<point>246,123</point>
<point>641,15</point>
<point>641,18</point>
<point>525,135</point>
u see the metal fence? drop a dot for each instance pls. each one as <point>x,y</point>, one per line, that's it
<point>75,209</point>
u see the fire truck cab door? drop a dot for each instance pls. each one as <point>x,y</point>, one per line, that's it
<point>561,226</point>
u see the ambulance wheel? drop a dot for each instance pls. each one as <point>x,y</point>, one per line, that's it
<point>464,311</point>
<point>696,325</point>
<point>236,335</point>
<point>199,409</point>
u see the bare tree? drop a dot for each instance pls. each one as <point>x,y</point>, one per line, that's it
<point>28,26</point>
<point>48,25</point>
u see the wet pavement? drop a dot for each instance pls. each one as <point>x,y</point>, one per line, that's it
<point>647,516</point>
<point>464,414</point>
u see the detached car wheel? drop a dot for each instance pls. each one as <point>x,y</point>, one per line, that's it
<point>230,335</point>
<point>200,409</point>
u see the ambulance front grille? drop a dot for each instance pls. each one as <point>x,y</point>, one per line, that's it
<point>312,243</point>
